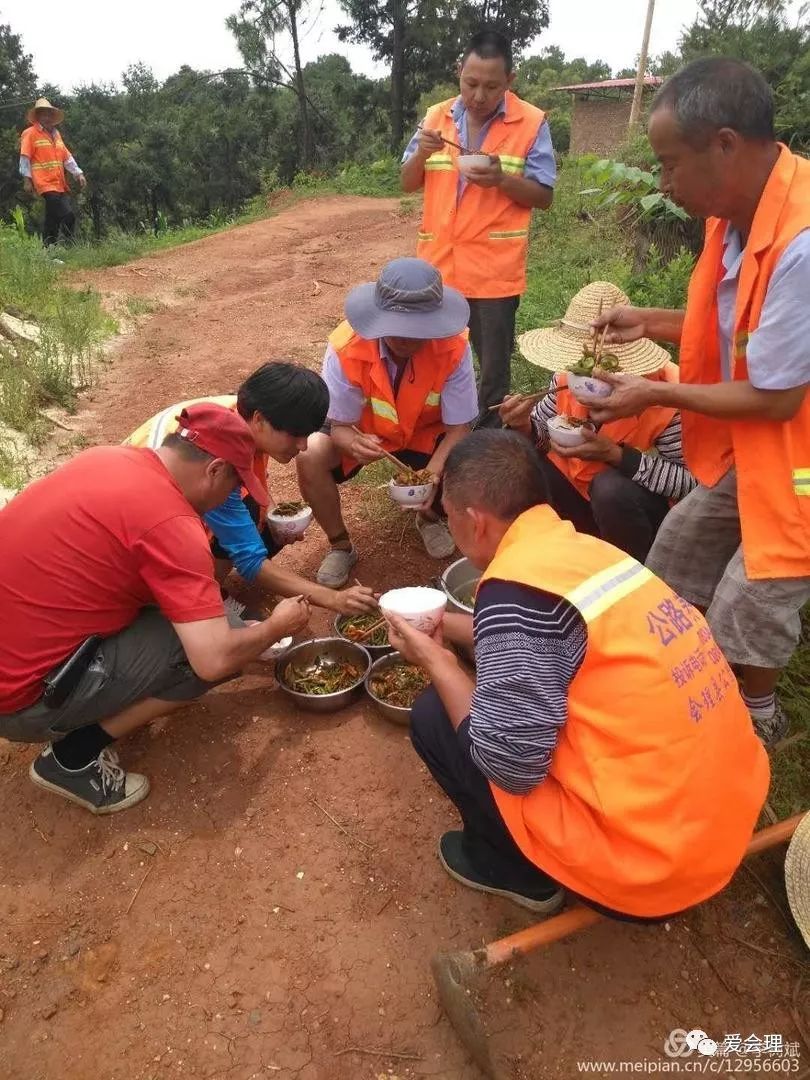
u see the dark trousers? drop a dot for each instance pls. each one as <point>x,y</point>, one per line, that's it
<point>492,335</point>
<point>620,511</point>
<point>487,841</point>
<point>59,217</point>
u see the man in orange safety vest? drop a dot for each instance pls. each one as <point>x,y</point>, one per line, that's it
<point>739,545</point>
<point>603,746</point>
<point>476,215</point>
<point>43,161</point>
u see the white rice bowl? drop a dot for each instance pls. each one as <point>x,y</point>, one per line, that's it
<point>587,384</point>
<point>418,605</point>
<point>289,526</point>
<point>565,435</point>
<point>471,161</point>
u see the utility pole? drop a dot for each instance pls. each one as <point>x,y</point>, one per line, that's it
<point>638,92</point>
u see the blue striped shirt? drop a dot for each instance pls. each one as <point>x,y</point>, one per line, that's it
<point>529,645</point>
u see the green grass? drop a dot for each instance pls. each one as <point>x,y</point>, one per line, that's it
<point>790,782</point>
<point>53,369</point>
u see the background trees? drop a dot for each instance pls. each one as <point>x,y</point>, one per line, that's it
<point>198,146</point>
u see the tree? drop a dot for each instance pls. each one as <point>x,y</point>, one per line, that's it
<point>256,27</point>
<point>17,83</point>
<point>758,31</point>
<point>423,41</point>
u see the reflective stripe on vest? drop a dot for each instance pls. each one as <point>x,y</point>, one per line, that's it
<point>801,481</point>
<point>606,588</point>
<point>433,398</point>
<point>439,162</point>
<point>382,408</point>
<point>768,455</point>
<point>641,809</point>
<point>479,239</point>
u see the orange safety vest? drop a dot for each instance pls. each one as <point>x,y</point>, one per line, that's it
<point>639,431</point>
<point>47,154</point>
<point>657,778</point>
<point>478,242</point>
<point>153,431</point>
<point>412,420</point>
<point>772,457</point>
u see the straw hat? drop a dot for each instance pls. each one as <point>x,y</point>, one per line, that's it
<point>556,347</point>
<point>797,877</point>
<point>43,103</point>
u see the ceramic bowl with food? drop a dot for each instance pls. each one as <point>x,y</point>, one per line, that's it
<point>459,582</point>
<point>353,627</point>
<point>275,652</point>
<point>418,605</point>
<point>323,674</point>
<point>393,685</point>
<point>472,161</point>
<point>588,384</point>
<point>412,495</point>
<point>288,521</point>
<point>568,431</point>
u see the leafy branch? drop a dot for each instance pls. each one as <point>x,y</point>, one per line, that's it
<point>618,184</point>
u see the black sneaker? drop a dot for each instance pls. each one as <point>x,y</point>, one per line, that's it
<point>102,787</point>
<point>543,901</point>
<point>772,731</point>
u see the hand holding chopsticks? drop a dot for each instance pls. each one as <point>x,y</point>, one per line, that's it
<point>384,453</point>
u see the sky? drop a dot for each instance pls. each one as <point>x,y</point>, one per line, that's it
<point>88,41</point>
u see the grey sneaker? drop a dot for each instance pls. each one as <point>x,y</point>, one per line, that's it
<point>542,900</point>
<point>335,569</point>
<point>439,544</point>
<point>772,731</point>
<point>102,787</point>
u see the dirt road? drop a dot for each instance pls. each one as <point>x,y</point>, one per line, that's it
<point>226,928</point>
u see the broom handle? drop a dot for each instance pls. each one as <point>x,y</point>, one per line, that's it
<point>580,917</point>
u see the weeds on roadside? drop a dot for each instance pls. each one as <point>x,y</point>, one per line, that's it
<point>70,326</point>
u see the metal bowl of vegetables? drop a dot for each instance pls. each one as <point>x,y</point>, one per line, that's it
<point>460,581</point>
<point>393,685</point>
<point>355,628</point>
<point>323,674</point>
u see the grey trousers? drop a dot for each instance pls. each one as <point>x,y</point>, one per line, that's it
<point>492,334</point>
<point>144,660</point>
<point>699,555</point>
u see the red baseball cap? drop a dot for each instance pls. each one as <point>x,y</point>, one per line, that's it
<point>223,433</point>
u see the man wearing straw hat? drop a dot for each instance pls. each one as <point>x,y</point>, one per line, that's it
<point>401,380</point>
<point>43,161</point>
<point>620,482</point>
<point>739,545</point>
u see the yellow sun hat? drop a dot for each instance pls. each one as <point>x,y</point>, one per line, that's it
<point>797,877</point>
<point>43,103</point>
<point>556,347</point>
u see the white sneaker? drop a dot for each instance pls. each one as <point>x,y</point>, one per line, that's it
<point>439,544</point>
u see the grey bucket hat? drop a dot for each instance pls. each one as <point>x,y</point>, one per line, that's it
<point>408,300</point>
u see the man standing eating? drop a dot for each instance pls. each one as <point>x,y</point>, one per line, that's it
<point>475,222</point>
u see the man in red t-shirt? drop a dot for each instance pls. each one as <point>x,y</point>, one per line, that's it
<point>111,614</point>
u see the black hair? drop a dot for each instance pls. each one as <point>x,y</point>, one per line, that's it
<point>490,44</point>
<point>187,450</point>
<point>494,470</point>
<point>290,397</point>
<point>718,92</point>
